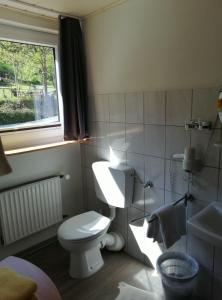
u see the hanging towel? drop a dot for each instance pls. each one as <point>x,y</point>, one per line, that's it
<point>14,286</point>
<point>169,225</point>
<point>129,292</point>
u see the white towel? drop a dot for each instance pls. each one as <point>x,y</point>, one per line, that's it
<point>128,292</point>
<point>169,225</point>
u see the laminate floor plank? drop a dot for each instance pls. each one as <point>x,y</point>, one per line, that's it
<point>103,285</point>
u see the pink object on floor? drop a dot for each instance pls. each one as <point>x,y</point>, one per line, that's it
<point>46,288</point>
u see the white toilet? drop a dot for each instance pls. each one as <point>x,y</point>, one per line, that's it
<point>85,234</point>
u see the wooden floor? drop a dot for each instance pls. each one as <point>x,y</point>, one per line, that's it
<point>101,286</point>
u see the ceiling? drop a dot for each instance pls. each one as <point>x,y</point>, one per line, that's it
<point>78,8</point>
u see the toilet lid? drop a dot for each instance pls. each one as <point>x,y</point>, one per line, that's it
<point>83,226</point>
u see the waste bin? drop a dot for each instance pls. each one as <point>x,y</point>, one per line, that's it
<point>178,272</point>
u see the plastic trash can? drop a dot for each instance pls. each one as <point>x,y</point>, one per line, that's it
<point>178,272</point>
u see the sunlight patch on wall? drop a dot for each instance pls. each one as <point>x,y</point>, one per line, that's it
<point>146,245</point>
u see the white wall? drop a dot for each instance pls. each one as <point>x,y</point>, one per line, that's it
<point>26,20</point>
<point>162,44</point>
<point>153,64</point>
<point>36,165</point>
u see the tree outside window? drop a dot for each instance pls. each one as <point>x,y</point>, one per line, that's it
<point>28,93</point>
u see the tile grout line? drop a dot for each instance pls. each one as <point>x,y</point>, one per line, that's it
<point>190,141</point>
<point>144,166</point>
<point>124,95</point>
<point>165,132</point>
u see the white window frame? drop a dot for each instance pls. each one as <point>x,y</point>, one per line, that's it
<point>38,136</point>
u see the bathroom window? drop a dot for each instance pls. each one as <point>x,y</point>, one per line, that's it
<point>31,111</point>
<point>28,87</point>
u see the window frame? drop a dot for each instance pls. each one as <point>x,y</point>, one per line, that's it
<point>14,138</point>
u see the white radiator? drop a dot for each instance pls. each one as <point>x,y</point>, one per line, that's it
<point>30,208</point>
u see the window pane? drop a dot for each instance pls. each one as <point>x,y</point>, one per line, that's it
<point>28,94</point>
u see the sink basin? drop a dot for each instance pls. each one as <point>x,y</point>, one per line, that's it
<point>207,224</point>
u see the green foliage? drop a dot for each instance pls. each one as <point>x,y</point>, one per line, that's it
<point>27,103</point>
<point>16,117</point>
<point>26,73</point>
<point>28,63</point>
<point>13,105</point>
<point>6,71</point>
<point>12,112</point>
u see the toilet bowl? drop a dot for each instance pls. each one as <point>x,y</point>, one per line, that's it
<point>86,234</point>
<point>83,236</point>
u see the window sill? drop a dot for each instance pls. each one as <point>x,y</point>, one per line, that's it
<point>41,147</point>
<point>17,128</point>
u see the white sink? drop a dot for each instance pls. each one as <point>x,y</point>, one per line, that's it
<point>207,224</point>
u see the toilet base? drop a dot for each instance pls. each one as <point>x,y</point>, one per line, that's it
<point>86,263</point>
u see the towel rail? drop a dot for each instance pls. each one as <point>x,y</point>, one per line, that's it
<point>186,198</point>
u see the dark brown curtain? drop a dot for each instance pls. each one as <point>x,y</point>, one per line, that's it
<point>73,78</point>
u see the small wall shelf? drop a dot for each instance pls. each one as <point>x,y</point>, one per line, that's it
<point>198,124</point>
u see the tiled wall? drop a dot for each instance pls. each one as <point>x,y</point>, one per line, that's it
<point>143,130</point>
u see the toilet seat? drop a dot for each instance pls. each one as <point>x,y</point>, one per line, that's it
<point>85,226</point>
